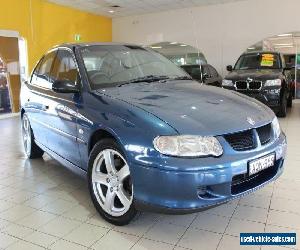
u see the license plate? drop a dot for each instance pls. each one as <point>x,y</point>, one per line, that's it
<point>260,164</point>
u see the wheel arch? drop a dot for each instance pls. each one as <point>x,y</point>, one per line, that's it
<point>98,135</point>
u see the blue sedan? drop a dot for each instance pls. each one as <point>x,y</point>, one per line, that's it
<point>147,136</point>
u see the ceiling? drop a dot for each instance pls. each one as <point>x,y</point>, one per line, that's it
<point>134,7</point>
<point>286,43</point>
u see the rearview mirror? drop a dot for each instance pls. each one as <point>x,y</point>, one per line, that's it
<point>64,86</point>
<point>229,68</point>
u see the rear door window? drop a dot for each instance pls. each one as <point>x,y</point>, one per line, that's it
<point>43,71</point>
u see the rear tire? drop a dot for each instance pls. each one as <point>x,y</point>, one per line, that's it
<point>110,184</point>
<point>283,107</point>
<point>32,150</point>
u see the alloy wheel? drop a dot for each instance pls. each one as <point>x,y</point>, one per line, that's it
<point>26,131</point>
<point>111,182</point>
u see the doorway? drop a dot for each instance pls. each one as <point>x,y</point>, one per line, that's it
<point>13,70</point>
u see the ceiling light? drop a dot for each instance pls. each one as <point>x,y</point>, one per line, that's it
<point>111,11</point>
<point>183,45</point>
<point>287,34</point>
<point>156,47</point>
<point>251,48</point>
<point>283,44</point>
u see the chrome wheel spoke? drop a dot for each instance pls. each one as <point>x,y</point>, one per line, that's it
<point>99,177</point>
<point>109,200</point>
<point>110,185</point>
<point>26,135</point>
<point>123,198</point>
<point>109,161</point>
<point>123,173</point>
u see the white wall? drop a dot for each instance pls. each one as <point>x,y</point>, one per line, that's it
<point>223,31</point>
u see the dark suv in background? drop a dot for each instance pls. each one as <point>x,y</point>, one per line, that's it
<point>204,73</point>
<point>264,76</point>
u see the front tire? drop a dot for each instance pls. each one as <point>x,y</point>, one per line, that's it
<point>290,101</point>
<point>283,107</point>
<point>32,150</point>
<point>110,183</point>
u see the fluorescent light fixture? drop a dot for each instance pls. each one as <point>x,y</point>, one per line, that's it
<point>111,11</point>
<point>283,44</point>
<point>173,43</point>
<point>156,47</point>
<point>286,46</point>
<point>287,34</point>
<point>251,48</point>
<point>183,45</point>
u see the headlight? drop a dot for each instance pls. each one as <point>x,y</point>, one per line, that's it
<point>276,128</point>
<point>188,146</point>
<point>275,82</point>
<point>227,83</point>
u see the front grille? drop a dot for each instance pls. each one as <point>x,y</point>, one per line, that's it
<point>244,85</point>
<point>246,140</point>
<point>243,182</point>
<point>241,85</point>
<point>264,133</point>
<point>255,85</point>
<point>241,141</point>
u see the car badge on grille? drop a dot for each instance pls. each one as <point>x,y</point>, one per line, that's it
<point>249,79</point>
<point>250,121</point>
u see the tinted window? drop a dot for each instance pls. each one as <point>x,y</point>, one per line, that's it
<point>64,67</point>
<point>193,71</point>
<point>205,69</point>
<point>46,64</point>
<point>258,61</point>
<point>42,72</point>
<point>213,71</point>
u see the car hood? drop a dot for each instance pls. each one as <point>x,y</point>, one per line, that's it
<point>192,108</point>
<point>255,74</point>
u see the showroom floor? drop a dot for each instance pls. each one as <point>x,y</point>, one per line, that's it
<point>45,205</point>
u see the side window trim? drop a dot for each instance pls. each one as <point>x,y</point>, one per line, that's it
<point>36,68</point>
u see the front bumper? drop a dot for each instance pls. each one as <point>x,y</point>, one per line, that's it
<point>269,96</point>
<point>212,183</point>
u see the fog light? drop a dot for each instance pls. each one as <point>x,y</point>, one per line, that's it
<point>202,191</point>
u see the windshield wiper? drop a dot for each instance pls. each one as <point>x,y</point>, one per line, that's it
<point>149,78</point>
<point>182,78</point>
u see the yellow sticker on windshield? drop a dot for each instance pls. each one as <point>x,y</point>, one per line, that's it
<point>267,60</point>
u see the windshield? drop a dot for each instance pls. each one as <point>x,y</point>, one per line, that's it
<point>114,65</point>
<point>258,61</point>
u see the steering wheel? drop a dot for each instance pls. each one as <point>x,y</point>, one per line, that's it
<point>99,77</point>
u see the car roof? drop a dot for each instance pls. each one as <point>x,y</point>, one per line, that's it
<point>261,52</point>
<point>81,45</point>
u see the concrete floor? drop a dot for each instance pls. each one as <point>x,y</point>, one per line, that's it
<point>45,205</point>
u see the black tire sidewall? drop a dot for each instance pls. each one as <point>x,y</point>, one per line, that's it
<point>130,214</point>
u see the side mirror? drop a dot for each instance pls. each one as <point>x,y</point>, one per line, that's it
<point>289,66</point>
<point>65,86</point>
<point>229,68</point>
